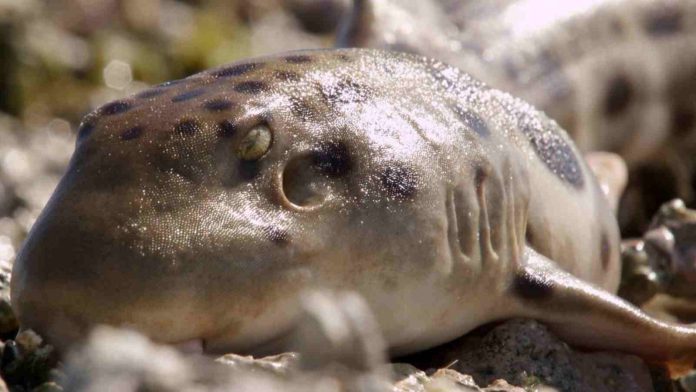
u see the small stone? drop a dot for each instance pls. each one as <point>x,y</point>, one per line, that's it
<point>408,378</point>
<point>10,353</point>
<point>338,328</point>
<point>30,368</point>
<point>281,364</point>
<point>461,379</point>
<point>670,246</point>
<point>639,280</point>
<point>8,320</point>
<point>122,360</point>
<point>688,382</point>
<point>28,341</point>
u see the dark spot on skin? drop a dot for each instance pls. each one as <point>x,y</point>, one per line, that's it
<point>345,91</point>
<point>553,150</point>
<point>399,182</point>
<point>298,59</point>
<point>150,93</point>
<point>226,129</point>
<point>188,95</point>
<point>619,95</point>
<point>344,57</point>
<point>248,170</point>
<point>286,75</point>
<point>217,105</point>
<point>236,70</point>
<point>187,127</point>
<point>332,159</point>
<point>473,121</point>
<point>301,109</point>
<point>664,21</point>
<point>116,107</point>
<point>86,129</point>
<point>251,87</point>
<point>277,236</point>
<point>605,250</point>
<point>530,286</point>
<point>132,133</point>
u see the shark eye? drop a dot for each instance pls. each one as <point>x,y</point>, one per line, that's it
<point>255,143</point>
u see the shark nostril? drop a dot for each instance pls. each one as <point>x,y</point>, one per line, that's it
<point>302,185</point>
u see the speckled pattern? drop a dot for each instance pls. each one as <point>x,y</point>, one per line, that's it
<point>618,75</point>
<point>199,209</point>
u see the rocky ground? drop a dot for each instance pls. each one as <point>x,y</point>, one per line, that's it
<point>518,355</point>
<point>60,58</point>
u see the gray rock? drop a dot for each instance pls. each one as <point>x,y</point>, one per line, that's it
<point>688,382</point>
<point>526,354</point>
<point>284,364</point>
<point>659,269</point>
<point>670,244</point>
<point>342,349</point>
<point>639,280</point>
<point>338,328</point>
<point>121,360</point>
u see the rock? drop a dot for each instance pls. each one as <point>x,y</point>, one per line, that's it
<point>27,362</point>
<point>8,320</point>
<point>411,379</point>
<point>279,365</point>
<point>338,328</point>
<point>451,380</point>
<point>28,341</point>
<point>639,280</point>
<point>671,246</point>
<point>659,269</point>
<point>688,382</point>
<point>526,354</point>
<point>408,378</point>
<point>336,332</point>
<point>121,360</point>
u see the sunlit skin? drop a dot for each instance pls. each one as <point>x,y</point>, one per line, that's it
<point>201,209</point>
<point>616,74</point>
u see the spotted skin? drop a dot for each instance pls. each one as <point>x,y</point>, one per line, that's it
<point>386,189</point>
<point>618,75</point>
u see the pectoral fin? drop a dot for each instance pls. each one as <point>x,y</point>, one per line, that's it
<point>587,316</point>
